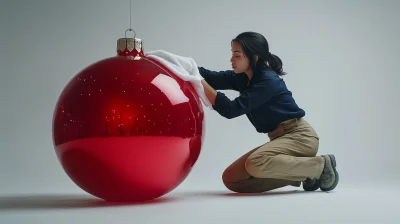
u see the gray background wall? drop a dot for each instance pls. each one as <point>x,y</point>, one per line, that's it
<point>341,58</point>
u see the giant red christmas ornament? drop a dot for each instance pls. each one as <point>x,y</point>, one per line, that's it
<point>126,128</point>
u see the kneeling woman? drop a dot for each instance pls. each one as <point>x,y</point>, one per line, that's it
<point>289,158</point>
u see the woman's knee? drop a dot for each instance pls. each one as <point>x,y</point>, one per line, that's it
<point>230,180</point>
<point>236,182</point>
<point>243,186</point>
<point>225,175</point>
<point>229,175</point>
<point>232,186</point>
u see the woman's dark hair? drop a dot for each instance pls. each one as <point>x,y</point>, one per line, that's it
<point>255,44</point>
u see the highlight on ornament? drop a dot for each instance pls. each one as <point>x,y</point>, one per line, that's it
<point>127,128</point>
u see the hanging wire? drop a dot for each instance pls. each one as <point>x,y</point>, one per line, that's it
<point>130,19</point>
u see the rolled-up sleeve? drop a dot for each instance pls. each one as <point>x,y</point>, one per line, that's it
<point>251,98</point>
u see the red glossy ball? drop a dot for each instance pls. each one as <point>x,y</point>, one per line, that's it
<point>127,129</point>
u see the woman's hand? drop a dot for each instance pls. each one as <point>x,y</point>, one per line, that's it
<point>211,93</point>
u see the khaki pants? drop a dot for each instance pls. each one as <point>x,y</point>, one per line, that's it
<point>289,158</point>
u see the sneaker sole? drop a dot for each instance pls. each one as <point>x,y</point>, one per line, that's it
<point>333,161</point>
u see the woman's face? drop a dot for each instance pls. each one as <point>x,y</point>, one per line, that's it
<point>240,63</point>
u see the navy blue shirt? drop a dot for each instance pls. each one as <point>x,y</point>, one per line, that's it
<point>264,98</point>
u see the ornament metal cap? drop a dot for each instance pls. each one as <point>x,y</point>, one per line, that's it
<point>129,46</point>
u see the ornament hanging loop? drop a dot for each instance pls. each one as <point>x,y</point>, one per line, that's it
<point>131,30</point>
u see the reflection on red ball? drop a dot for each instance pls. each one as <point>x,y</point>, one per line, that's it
<point>127,129</point>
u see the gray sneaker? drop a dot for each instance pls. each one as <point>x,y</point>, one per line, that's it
<point>329,177</point>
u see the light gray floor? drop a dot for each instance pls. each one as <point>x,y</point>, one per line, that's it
<point>348,204</point>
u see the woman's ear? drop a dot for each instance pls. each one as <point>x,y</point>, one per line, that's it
<point>255,58</point>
